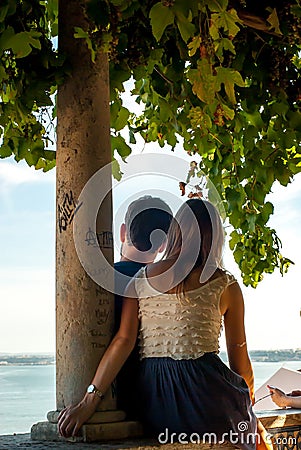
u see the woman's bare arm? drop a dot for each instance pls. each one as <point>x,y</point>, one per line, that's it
<point>72,418</point>
<point>232,307</point>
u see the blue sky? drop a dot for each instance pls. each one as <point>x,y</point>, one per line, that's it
<point>27,238</point>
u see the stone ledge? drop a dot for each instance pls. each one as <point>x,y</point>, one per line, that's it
<point>100,432</point>
<point>280,418</point>
<point>98,416</point>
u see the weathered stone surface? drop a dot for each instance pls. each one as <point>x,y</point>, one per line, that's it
<point>280,418</point>
<point>45,431</point>
<point>23,441</point>
<point>93,432</point>
<point>84,310</point>
<point>108,431</point>
<point>98,417</point>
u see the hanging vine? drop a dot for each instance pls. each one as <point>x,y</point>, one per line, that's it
<point>223,77</point>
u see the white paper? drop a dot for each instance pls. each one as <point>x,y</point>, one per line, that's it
<point>285,379</point>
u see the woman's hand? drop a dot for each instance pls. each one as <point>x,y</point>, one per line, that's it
<point>73,417</point>
<point>279,397</point>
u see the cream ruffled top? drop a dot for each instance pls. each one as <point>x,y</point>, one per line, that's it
<point>177,329</point>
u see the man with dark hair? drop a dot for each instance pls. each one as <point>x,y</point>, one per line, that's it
<point>142,236</point>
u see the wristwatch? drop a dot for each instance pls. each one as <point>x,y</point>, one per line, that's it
<point>92,389</point>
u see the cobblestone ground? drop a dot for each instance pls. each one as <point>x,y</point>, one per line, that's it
<point>23,441</point>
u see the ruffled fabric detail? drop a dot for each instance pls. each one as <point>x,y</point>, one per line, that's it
<point>180,330</point>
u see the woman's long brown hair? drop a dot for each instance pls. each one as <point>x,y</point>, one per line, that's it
<point>195,230</point>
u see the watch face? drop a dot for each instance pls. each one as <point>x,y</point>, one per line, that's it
<point>91,389</point>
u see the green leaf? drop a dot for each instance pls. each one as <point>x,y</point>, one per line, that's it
<point>228,112</point>
<point>274,22</point>
<point>259,193</point>
<point>296,10</point>
<point>217,5</point>
<point>21,43</point>
<point>227,20</point>
<point>235,239</point>
<point>165,111</point>
<point>186,28</point>
<point>118,143</point>
<point>204,84</point>
<point>8,9</point>
<point>5,151</point>
<point>266,211</point>
<point>99,11</point>
<point>294,119</point>
<point>222,45</point>
<point>229,78</point>
<point>79,33</point>
<point>160,16</point>
<point>121,119</point>
<point>235,198</point>
<point>194,45</point>
<point>116,172</point>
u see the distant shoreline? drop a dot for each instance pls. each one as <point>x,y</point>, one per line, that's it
<point>8,359</point>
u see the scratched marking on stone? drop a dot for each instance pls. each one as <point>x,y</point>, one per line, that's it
<point>97,333</point>
<point>102,316</point>
<point>91,238</point>
<point>103,297</point>
<point>67,210</point>
<point>104,239</point>
<point>98,345</point>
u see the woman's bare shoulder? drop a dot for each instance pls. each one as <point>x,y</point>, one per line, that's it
<point>159,267</point>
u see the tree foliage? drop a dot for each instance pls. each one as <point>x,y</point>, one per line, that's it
<point>223,77</point>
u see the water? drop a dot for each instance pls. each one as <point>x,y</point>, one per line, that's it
<point>27,393</point>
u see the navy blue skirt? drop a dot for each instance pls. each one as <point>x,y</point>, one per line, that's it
<point>200,398</point>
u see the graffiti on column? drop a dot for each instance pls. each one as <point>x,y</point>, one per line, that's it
<point>103,297</point>
<point>67,210</point>
<point>102,315</point>
<point>104,239</point>
<point>98,345</point>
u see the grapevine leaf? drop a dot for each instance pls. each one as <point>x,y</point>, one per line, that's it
<point>161,16</point>
<point>194,45</point>
<point>228,21</point>
<point>203,82</point>
<point>229,78</point>
<point>186,28</point>
<point>274,22</point>
<point>21,43</point>
<point>118,143</point>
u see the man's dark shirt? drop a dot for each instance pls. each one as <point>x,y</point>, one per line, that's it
<point>127,377</point>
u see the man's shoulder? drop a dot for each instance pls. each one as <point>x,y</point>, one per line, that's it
<point>129,268</point>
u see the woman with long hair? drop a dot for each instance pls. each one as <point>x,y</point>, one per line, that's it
<point>177,306</point>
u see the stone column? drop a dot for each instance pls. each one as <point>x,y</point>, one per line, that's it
<point>84,310</point>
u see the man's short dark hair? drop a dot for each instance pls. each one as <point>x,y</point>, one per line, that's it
<point>143,217</point>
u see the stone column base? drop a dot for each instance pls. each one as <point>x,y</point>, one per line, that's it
<point>102,426</point>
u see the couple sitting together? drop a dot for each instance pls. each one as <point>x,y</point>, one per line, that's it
<point>165,351</point>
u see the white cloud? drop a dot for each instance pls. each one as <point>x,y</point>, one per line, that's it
<point>13,174</point>
<point>27,310</point>
<point>283,193</point>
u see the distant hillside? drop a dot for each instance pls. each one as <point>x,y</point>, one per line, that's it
<point>26,360</point>
<point>271,355</point>
<point>256,355</point>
